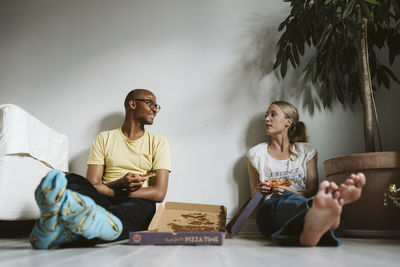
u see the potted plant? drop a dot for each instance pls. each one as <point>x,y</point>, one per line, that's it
<point>339,41</point>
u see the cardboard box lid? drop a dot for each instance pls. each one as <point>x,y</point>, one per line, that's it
<point>237,222</point>
<point>188,217</point>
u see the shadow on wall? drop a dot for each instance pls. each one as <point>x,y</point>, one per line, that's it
<point>112,121</point>
<point>254,134</point>
<point>252,78</point>
<point>77,164</point>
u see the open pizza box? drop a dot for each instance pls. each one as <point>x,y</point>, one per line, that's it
<point>179,223</point>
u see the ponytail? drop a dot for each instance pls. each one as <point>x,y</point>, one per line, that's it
<point>298,133</point>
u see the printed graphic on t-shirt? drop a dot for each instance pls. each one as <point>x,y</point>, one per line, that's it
<point>295,176</point>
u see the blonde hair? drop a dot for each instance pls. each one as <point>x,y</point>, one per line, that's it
<point>297,132</point>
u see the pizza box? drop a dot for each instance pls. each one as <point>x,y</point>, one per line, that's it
<point>237,222</point>
<point>181,223</point>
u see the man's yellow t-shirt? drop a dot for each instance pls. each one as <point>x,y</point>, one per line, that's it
<point>119,155</point>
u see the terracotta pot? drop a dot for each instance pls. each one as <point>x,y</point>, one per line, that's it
<point>368,217</point>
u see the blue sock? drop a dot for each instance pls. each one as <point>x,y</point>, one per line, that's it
<point>84,217</point>
<point>48,231</point>
<point>43,239</point>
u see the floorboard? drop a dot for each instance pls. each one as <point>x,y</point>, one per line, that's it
<point>243,251</point>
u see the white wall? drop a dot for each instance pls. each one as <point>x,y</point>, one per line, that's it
<point>71,63</point>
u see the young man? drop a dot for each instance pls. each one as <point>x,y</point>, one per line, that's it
<point>118,196</point>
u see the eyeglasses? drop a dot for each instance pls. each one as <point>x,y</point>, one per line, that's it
<point>150,103</point>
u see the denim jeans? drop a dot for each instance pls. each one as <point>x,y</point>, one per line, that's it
<point>282,219</point>
<point>134,213</point>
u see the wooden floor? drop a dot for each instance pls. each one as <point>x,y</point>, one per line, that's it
<point>243,251</point>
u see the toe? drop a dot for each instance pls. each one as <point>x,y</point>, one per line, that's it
<point>324,185</point>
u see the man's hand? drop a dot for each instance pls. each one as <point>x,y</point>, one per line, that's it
<point>130,182</point>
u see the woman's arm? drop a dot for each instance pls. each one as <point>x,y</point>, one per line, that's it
<point>254,181</point>
<point>312,178</point>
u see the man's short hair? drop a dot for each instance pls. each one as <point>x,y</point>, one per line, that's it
<point>135,93</point>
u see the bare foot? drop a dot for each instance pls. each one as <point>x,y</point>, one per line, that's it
<point>350,190</point>
<point>323,215</point>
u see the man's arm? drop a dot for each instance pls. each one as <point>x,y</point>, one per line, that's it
<point>94,174</point>
<point>129,182</point>
<point>158,191</point>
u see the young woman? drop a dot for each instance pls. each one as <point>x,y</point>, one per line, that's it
<point>284,170</point>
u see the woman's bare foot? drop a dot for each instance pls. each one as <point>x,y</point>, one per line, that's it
<point>323,215</point>
<point>350,190</point>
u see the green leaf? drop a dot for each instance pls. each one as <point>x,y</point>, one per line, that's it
<point>307,76</point>
<point>295,54</point>
<point>283,39</point>
<point>308,69</point>
<point>284,67</point>
<point>353,27</point>
<point>327,2</point>
<point>325,35</point>
<point>308,40</point>
<point>354,86</point>
<point>282,25</point>
<point>324,94</point>
<point>372,62</point>
<point>372,2</point>
<point>339,94</point>
<point>300,47</point>
<point>340,78</point>
<point>292,60</point>
<point>277,62</point>
<point>334,83</point>
<point>396,7</point>
<point>366,12</point>
<point>349,9</point>
<point>314,71</point>
<point>329,95</point>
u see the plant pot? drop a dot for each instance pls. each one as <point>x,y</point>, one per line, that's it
<point>369,217</point>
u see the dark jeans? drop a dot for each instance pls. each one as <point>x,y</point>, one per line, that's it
<point>134,213</point>
<point>282,219</point>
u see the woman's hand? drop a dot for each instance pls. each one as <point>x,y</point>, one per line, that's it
<point>278,189</point>
<point>264,188</point>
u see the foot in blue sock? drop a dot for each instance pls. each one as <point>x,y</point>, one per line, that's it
<point>43,239</point>
<point>84,217</point>
<point>48,232</point>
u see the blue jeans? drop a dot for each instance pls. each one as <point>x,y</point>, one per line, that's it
<point>282,219</point>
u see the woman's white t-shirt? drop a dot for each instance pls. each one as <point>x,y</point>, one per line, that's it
<point>294,168</point>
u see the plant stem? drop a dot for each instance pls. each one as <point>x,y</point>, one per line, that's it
<point>362,51</point>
